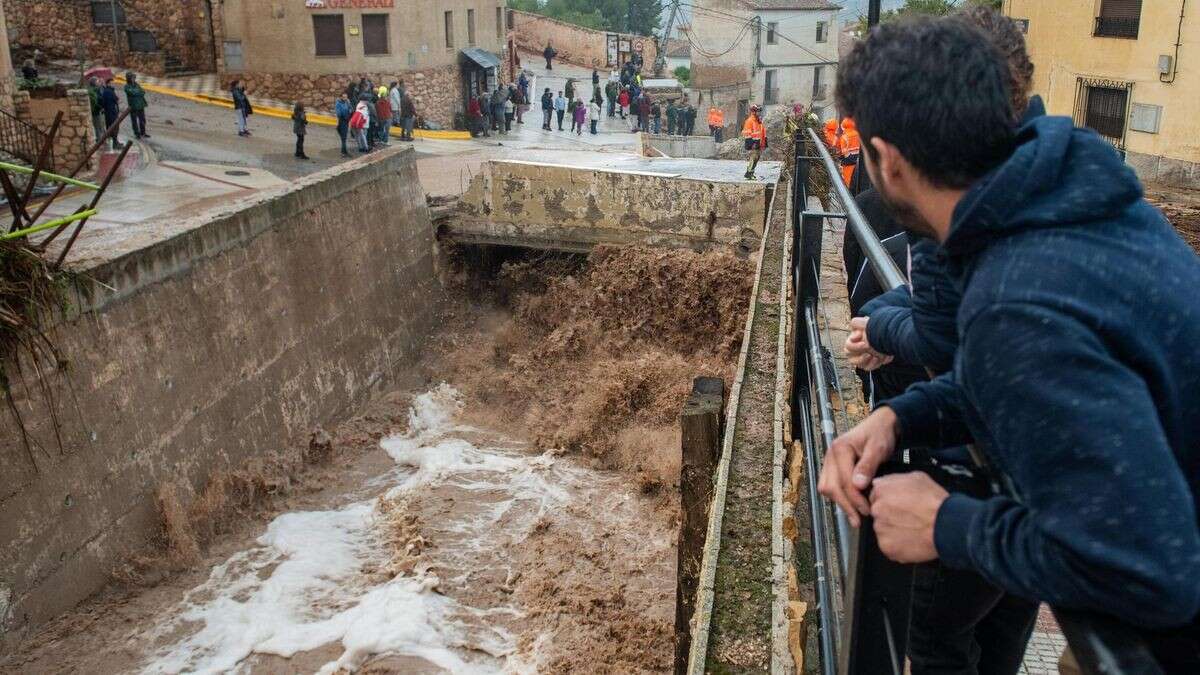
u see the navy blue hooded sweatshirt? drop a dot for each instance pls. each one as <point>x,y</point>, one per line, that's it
<point>1078,373</point>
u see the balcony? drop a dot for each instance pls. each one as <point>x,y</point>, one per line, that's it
<point>1108,26</point>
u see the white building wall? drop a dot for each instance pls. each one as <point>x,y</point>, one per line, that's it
<point>796,43</point>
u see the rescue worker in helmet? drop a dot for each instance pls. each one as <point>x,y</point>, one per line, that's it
<point>755,135</point>
<point>850,145</point>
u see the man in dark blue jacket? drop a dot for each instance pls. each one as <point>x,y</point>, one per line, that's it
<point>1077,371</point>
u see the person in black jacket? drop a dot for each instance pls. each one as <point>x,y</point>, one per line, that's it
<point>111,107</point>
<point>549,53</point>
<point>300,128</point>
<point>547,109</point>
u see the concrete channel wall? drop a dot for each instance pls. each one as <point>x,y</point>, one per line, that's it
<point>574,208</point>
<point>201,351</point>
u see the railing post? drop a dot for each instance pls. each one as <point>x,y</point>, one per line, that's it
<point>700,438</point>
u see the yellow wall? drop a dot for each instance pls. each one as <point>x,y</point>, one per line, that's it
<point>1063,49</point>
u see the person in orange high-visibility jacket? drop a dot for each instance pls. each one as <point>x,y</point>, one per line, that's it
<point>851,146</point>
<point>716,123</point>
<point>831,134</point>
<point>755,135</point>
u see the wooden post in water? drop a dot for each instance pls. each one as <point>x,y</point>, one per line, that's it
<point>700,426</point>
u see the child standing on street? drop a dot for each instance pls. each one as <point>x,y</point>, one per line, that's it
<point>299,127</point>
<point>581,114</point>
<point>594,113</point>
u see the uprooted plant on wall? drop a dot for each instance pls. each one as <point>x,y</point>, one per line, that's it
<point>35,286</point>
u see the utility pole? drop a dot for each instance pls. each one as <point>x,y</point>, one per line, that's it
<point>873,13</point>
<point>660,59</point>
<point>112,6</point>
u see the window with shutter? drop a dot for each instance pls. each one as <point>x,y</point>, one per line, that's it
<point>329,34</point>
<point>141,41</point>
<point>1119,19</point>
<point>375,34</point>
<point>771,28</point>
<point>103,12</point>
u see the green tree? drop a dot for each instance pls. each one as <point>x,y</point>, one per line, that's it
<point>929,7</point>
<point>683,74</point>
<point>633,16</point>
<point>643,17</point>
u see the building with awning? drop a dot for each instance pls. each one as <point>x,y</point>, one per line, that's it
<point>310,50</point>
<point>480,70</point>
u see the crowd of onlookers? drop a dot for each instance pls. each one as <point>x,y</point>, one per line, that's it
<point>367,113</point>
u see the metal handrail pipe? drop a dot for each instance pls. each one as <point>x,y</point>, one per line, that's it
<point>828,425</point>
<point>823,214</point>
<point>886,269</point>
<point>829,622</point>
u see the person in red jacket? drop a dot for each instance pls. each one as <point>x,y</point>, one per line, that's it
<point>623,101</point>
<point>383,107</point>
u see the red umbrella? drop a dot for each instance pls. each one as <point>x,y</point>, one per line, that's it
<point>101,73</point>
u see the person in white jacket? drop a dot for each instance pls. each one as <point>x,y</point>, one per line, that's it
<point>594,113</point>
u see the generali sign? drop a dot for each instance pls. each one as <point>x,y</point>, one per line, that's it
<point>348,4</point>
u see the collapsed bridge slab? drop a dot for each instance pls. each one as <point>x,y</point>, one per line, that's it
<point>574,203</point>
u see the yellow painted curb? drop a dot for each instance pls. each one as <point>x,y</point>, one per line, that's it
<point>315,118</point>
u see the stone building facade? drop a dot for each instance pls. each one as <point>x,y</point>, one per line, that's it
<point>150,36</point>
<point>309,50</point>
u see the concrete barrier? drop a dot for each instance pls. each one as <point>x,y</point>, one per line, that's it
<point>230,338</point>
<point>677,203</point>
<point>661,145</point>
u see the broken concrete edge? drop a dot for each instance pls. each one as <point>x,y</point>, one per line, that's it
<point>706,589</point>
<point>782,658</point>
<point>281,113</point>
<point>214,232</point>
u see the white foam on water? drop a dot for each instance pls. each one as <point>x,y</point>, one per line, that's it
<point>303,585</point>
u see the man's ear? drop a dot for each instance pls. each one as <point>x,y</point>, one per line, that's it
<point>887,159</point>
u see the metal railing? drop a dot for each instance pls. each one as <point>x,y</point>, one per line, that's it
<point>864,599</point>
<point>21,139</point>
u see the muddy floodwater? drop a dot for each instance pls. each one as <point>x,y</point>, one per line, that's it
<point>446,566</point>
<point>517,512</point>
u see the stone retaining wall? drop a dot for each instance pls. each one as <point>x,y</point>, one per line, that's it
<point>75,134</point>
<point>437,92</point>
<point>219,344</point>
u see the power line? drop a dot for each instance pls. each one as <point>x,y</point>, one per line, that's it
<point>733,18</point>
